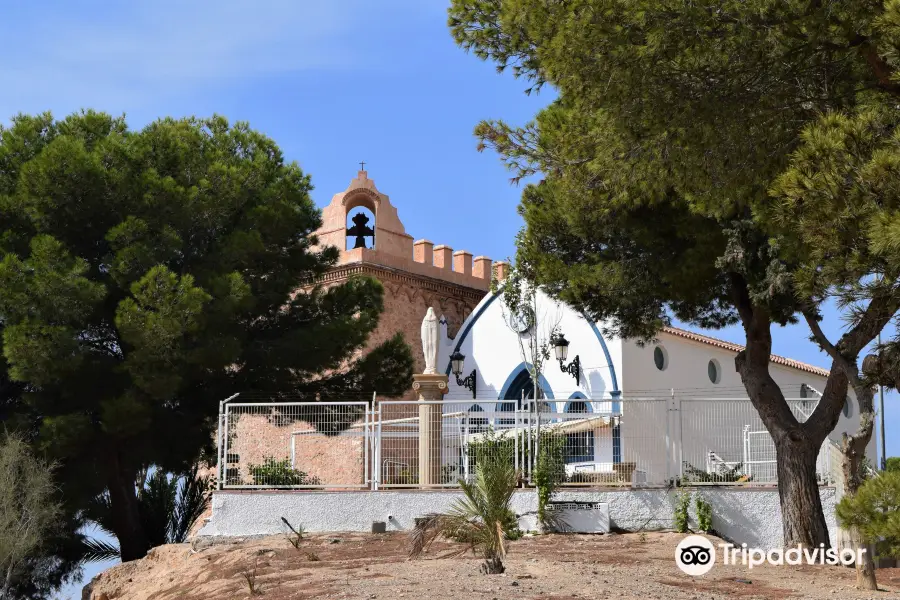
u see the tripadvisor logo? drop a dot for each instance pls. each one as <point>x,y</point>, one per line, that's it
<point>696,555</point>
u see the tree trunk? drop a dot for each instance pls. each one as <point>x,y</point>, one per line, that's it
<point>492,566</point>
<point>126,517</point>
<point>803,520</point>
<point>865,568</point>
<point>853,451</point>
<point>7,581</point>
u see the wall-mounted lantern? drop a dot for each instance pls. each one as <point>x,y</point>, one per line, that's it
<point>561,349</point>
<point>457,364</point>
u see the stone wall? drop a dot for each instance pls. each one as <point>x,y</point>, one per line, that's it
<point>336,460</point>
<point>407,298</point>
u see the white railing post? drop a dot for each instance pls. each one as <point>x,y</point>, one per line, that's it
<point>464,447</point>
<point>748,469</point>
<point>679,455</point>
<point>222,439</point>
<point>516,461</point>
<point>670,442</point>
<point>377,451</point>
<point>220,466</point>
<point>367,439</point>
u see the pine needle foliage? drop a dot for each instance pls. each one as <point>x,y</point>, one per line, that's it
<point>715,162</point>
<point>145,275</point>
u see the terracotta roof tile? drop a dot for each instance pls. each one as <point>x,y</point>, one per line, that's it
<point>778,360</point>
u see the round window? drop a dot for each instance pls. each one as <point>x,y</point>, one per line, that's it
<point>848,407</point>
<point>660,359</point>
<point>714,371</point>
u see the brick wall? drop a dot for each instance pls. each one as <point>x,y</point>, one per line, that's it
<point>333,460</point>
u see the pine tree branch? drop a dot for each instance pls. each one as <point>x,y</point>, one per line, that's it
<point>874,318</point>
<point>822,340</point>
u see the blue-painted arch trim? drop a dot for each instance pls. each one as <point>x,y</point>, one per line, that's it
<point>615,392</point>
<point>523,367</point>
<point>465,332</point>
<point>578,396</point>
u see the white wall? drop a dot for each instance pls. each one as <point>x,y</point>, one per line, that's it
<point>751,516</point>
<point>686,373</point>
<point>649,436</point>
<point>492,348</point>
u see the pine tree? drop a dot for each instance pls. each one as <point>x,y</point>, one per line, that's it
<point>717,162</point>
<point>145,276</point>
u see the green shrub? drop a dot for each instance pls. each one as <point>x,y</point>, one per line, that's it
<point>404,476</point>
<point>279,473</point>
<point>875,511</point>
<point>682,503</point>
<point>489,445</point>
<point>549,472</point>
<point>29,514</point>
<point>704,514</point>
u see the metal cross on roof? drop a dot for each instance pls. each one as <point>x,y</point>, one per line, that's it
<point>362,165</point>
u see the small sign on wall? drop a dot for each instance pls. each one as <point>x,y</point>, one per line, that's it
<point>582,517</point>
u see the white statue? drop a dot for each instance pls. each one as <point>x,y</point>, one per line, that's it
<point>430,336</point>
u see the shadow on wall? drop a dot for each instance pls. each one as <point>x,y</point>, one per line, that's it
<point>731,512</point>
<point>596,385</point>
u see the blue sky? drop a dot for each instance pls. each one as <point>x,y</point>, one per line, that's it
<point>332,82</point>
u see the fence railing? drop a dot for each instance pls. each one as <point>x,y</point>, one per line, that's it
<point>295,445</point>
<point>638,442</point>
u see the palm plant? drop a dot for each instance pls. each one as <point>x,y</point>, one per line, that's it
<point>482,519</point>
<point>169,507</point>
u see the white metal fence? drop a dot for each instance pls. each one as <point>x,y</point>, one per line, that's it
<point>403,444</point>
<point>294,445</point>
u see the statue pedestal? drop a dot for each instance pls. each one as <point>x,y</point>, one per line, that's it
<point>430,388</point>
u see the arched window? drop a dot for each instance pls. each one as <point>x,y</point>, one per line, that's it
<point>579,445</point>
<point>475,424</point>
<point>518,387</point>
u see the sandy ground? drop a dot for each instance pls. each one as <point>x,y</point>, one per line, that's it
<point>553,567</point>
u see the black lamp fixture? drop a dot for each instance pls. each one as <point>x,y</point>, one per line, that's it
<point>561,349</point>
<point>457,363</point>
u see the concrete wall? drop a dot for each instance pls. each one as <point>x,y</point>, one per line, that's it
<point>751,516</point>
